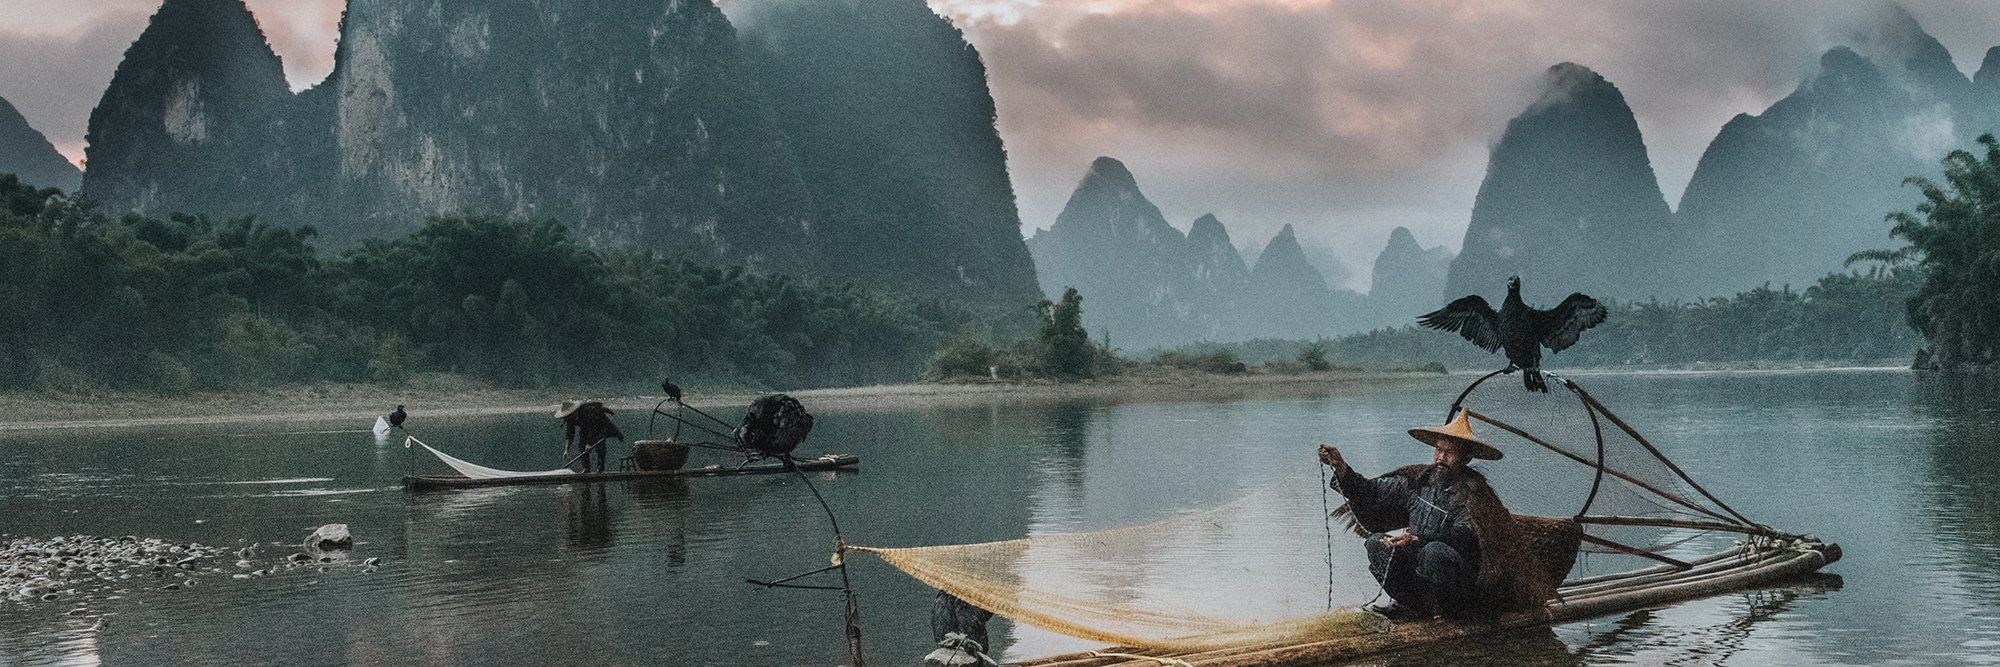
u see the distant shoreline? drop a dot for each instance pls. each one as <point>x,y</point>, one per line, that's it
<point>358,404</point>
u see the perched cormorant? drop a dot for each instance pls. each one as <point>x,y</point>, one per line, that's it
<point>673,390</point>
<point>396,418</point>
<point>1522,330</point>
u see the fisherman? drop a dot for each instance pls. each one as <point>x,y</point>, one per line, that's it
<point>586,425</point>
<point>1462,555</point>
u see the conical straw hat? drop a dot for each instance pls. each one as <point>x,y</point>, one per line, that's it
<point>1459,430</point>
<point>567,407</point>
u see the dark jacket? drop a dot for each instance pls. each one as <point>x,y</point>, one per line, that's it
<point>589,424</point>
<point>1460,510</point>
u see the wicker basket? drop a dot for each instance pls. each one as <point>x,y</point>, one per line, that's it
<point>659,455</point>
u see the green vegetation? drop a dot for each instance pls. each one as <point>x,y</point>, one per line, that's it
<point>1313,356</point>
<point>1956,244</point>
<point>1066,348</point>
<point>144,304</point>
<point>1063,351</point>
<point>1846,317</point>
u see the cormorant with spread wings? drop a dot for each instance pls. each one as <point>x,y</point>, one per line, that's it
<point>1521,329</point>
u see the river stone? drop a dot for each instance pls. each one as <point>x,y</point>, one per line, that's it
<point>330,537</point>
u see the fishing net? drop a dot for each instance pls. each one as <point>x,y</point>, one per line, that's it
<point>475,471</point>
<point>1568,455</point>
<point>1165,584</point>
<point>1182,583</point>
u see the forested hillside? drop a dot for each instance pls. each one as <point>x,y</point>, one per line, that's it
<point>185,303</point>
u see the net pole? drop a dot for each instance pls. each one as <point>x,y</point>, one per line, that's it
<point>1460,401</point>
<point>1596,431</point>
<point>840,554</point>
<point>1733,527</point>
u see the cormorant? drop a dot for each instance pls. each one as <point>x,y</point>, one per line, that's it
<point>1522,330</point>
<point>396,418</point>
<point>673,390</point>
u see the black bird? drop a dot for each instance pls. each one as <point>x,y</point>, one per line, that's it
<point>396,418</point>
<point>673,390</point>
<point>1519,328</point>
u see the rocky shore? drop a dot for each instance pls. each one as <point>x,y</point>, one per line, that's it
<point>81,570</point>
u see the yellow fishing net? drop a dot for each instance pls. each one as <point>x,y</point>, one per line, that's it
<point>1173,584</point>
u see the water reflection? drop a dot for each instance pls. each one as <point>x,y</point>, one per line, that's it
<point>589,514</point>
<point>1647,636</point>
<point>1894,466</point>
<point>661,506</point>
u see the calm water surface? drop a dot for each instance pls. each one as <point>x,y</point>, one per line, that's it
<point>1900,469</point>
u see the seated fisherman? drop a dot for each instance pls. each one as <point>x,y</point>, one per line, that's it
<point>586,425</point>
<point>1463,555</point>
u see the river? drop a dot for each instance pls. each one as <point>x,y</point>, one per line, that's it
<point>1899,468</point>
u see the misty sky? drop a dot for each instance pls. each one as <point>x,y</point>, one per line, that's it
<point>1343,118</point>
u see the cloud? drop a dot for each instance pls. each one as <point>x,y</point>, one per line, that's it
<point>55,78</point>
<point>1346,118</point>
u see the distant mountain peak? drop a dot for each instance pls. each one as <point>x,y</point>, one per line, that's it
<point>27,153</point>
<point>1988,75</point>
<point>1563,82</point>
<point>1569,195</point>
<point>1207,229</point>
<point>1112,173</point>
<point>1401,236</point>
<point>1894,40</point>
<point>1283,264</point>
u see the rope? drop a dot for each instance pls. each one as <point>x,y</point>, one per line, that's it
<point>1326,519</point>
<point>699,427</point>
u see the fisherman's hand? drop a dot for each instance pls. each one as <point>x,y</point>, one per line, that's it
<point>1331,456</point>
<point>1405,539</point>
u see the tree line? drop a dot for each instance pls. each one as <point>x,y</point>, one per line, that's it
<point>188,303</point>
<point>1854,316</point>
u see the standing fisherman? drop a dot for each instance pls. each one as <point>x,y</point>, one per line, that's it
<point>586,425</point>
<point>1463,554</point>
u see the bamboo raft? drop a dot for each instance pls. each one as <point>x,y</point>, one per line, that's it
<point>431,482</point>
<point>1756,562</point>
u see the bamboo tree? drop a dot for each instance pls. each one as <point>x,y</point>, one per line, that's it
<point>1954,238</point>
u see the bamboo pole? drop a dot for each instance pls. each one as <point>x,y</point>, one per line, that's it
<point>1634,551</point>
<point>1747,529</point>
<point>1656,569</point>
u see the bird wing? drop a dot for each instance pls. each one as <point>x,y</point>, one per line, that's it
<point>1559,328</point>
<point>1469,317</point>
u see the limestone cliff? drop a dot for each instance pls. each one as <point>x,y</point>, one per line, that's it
<point>193,118</point>
<point>888,110</point>
<point>1569,202</point>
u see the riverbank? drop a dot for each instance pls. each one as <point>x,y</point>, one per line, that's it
<point>350,404</point>
<point>445,397</point>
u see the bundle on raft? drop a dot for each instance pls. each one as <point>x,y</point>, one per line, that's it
<point>1623,503</point>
